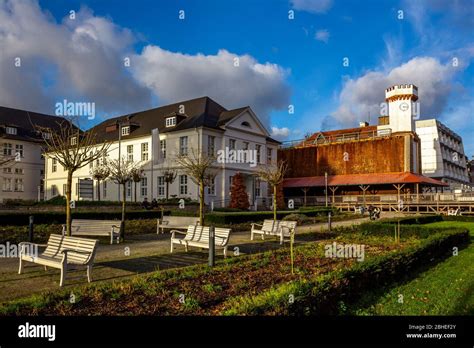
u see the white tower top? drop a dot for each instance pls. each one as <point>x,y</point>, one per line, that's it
<point>402,109</point>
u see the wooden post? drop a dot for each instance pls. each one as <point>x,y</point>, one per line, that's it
<point>364,188</point>
<point>333,190</point>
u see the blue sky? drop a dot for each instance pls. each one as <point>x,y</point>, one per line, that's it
<point>283,61</point>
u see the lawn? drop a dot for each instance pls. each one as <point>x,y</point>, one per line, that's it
<point>445,289</point>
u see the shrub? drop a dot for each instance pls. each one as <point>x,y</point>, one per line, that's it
<point>300,218</point>
<point>238,195</point>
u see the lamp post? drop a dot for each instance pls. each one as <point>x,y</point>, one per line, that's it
<point>326,185</point>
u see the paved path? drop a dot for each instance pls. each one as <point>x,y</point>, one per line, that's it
<point>141,254</point>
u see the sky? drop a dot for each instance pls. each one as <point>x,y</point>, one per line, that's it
<point>302,65</point>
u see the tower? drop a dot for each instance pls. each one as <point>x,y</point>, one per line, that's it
<point>402,109</point>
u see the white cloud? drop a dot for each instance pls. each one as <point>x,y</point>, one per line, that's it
<point>79,59</point>
<point>176,76</point>
<point>322,35</point>
<point>363,95</point>
<point>280,133</point>
<point>312,6</point>
<point>83,60</point>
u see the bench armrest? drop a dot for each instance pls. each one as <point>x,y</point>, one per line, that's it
<point>254,224</point>
<point>65,251</point>
<point>176,231</point>
<point>21,244</point>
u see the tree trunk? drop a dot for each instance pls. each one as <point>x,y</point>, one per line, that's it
<point>167,187</point>
<point>122,224</point>
<point>68,202</point>
<point>274,202</point>
<point>201,203</point>
<point>135,192</point>
<point>98,190</point>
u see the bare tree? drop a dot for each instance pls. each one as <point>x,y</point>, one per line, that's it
<point>73,149</point>
<point>199,167</point>
<point>6,160</point>
<point>273,174</point>
<point>121,171</point>
<point>136,175</point>
<point>170,176</point>
<point>100,173</point>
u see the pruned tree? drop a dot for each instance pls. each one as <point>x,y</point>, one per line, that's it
<point>198,166</point>
<point>73,149</point>
<point>239,197</point>
<point>100,173</point>
<point>169,177</point>
<point>136,175</point>
<point>121,172</point>
<point>273,174</point>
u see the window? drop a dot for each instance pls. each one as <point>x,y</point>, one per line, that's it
<point>54,165</point>
<point>19,171</point>
<point>54,191</point>
<point>163,148</point>
<point>144,186</point>
<point>104,183</point>
<point>170,121</point>
<point>7,149</point>
<point>74,141</point>
<point>129,189</point>
<point>231,144</point>
<point>245,124</point>
<point>7,170</point>
<point>130,152</point>
<point>245,147</point>
<point>46,135</point>
<point>269,155</point>
<point>211,189</point>
<point>18,185</point>
<point>183,184</point>
<point>258,148</point>
<point>7,184</point>
<point>211,145</point>
<point>126,130</point>
<point>19,150</point>
<point>144,151</point>
<point>161,186</point>
<point>11,130</point>
<point>183,146</point>
<point>257,188</point>
<point>91,163</point>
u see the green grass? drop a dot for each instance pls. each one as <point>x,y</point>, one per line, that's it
<point>445,289</point>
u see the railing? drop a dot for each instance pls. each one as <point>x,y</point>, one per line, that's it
<point>337,138</point>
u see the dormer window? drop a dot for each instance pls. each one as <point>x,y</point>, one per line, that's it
<point>126,130</point>
<point>74,141</point>
<point>245,124</point>
<point>171,121</point>
<point>11,130</point>
<point>46,135</point>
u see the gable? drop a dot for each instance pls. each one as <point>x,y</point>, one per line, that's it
<point>247,121</point>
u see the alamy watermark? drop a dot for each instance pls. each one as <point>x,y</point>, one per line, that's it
<point>345,251</point>
<point>8,250</point>
<point>67,108</point>
<point>237,156</point>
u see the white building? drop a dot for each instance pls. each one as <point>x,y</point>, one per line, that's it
<point>19,138</point>
<point>443,155</point>
<point>199,125</point>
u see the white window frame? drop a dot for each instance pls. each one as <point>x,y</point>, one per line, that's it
<point>183,184</point>
<point>258,148</point>
<point>211,188</point>
<point>144,186</point>
<point>125,130</point>
<point>232,143</point>
<point>130,152</point>
<point>19,185</point>
<point>258,188</point>
<point>74,141</point>
<point>183,145</point>
<point>11,130</point>
<point>269,155</point>
<point>19,150</point>
<point>7,149</point>
<point>144,148</point>
<point>211,145</point>
<point>171,121</point>
<point>54,165</point>
<point>128,192</point>
<point>7,184</point>
<point>161,186</point>
<point>163,148</point>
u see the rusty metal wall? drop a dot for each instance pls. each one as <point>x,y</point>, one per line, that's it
<point>368,156</point>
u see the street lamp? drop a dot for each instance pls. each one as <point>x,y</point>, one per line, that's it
<point>326,184</point>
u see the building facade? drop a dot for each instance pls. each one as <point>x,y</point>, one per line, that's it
<point>443,155</point>
<point>20,139</point>
<point>155,137</point>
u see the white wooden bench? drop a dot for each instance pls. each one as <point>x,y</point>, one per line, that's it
<point>359,209</point>
<point>198,236</point>
<point>95,228</point>
<point>62,252</point>
<point>279,228</point>
<point>454,212</point>
<point>175,222</point>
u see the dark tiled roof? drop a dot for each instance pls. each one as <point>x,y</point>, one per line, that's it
<point>25,122</point>
<point>200,112</point>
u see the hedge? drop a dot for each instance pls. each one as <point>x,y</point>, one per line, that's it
<point>322,295</point>
<point>388,229</point>
<point>416,220</point>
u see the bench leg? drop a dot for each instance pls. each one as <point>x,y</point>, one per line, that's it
<point>63,276</point>
<point>186,247</point>
<point>20,269</point>
<point>89,273</point>
<point>251,235</point>
<point>45,268</point>
<point>225,252</point>
<point>171,250</point>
